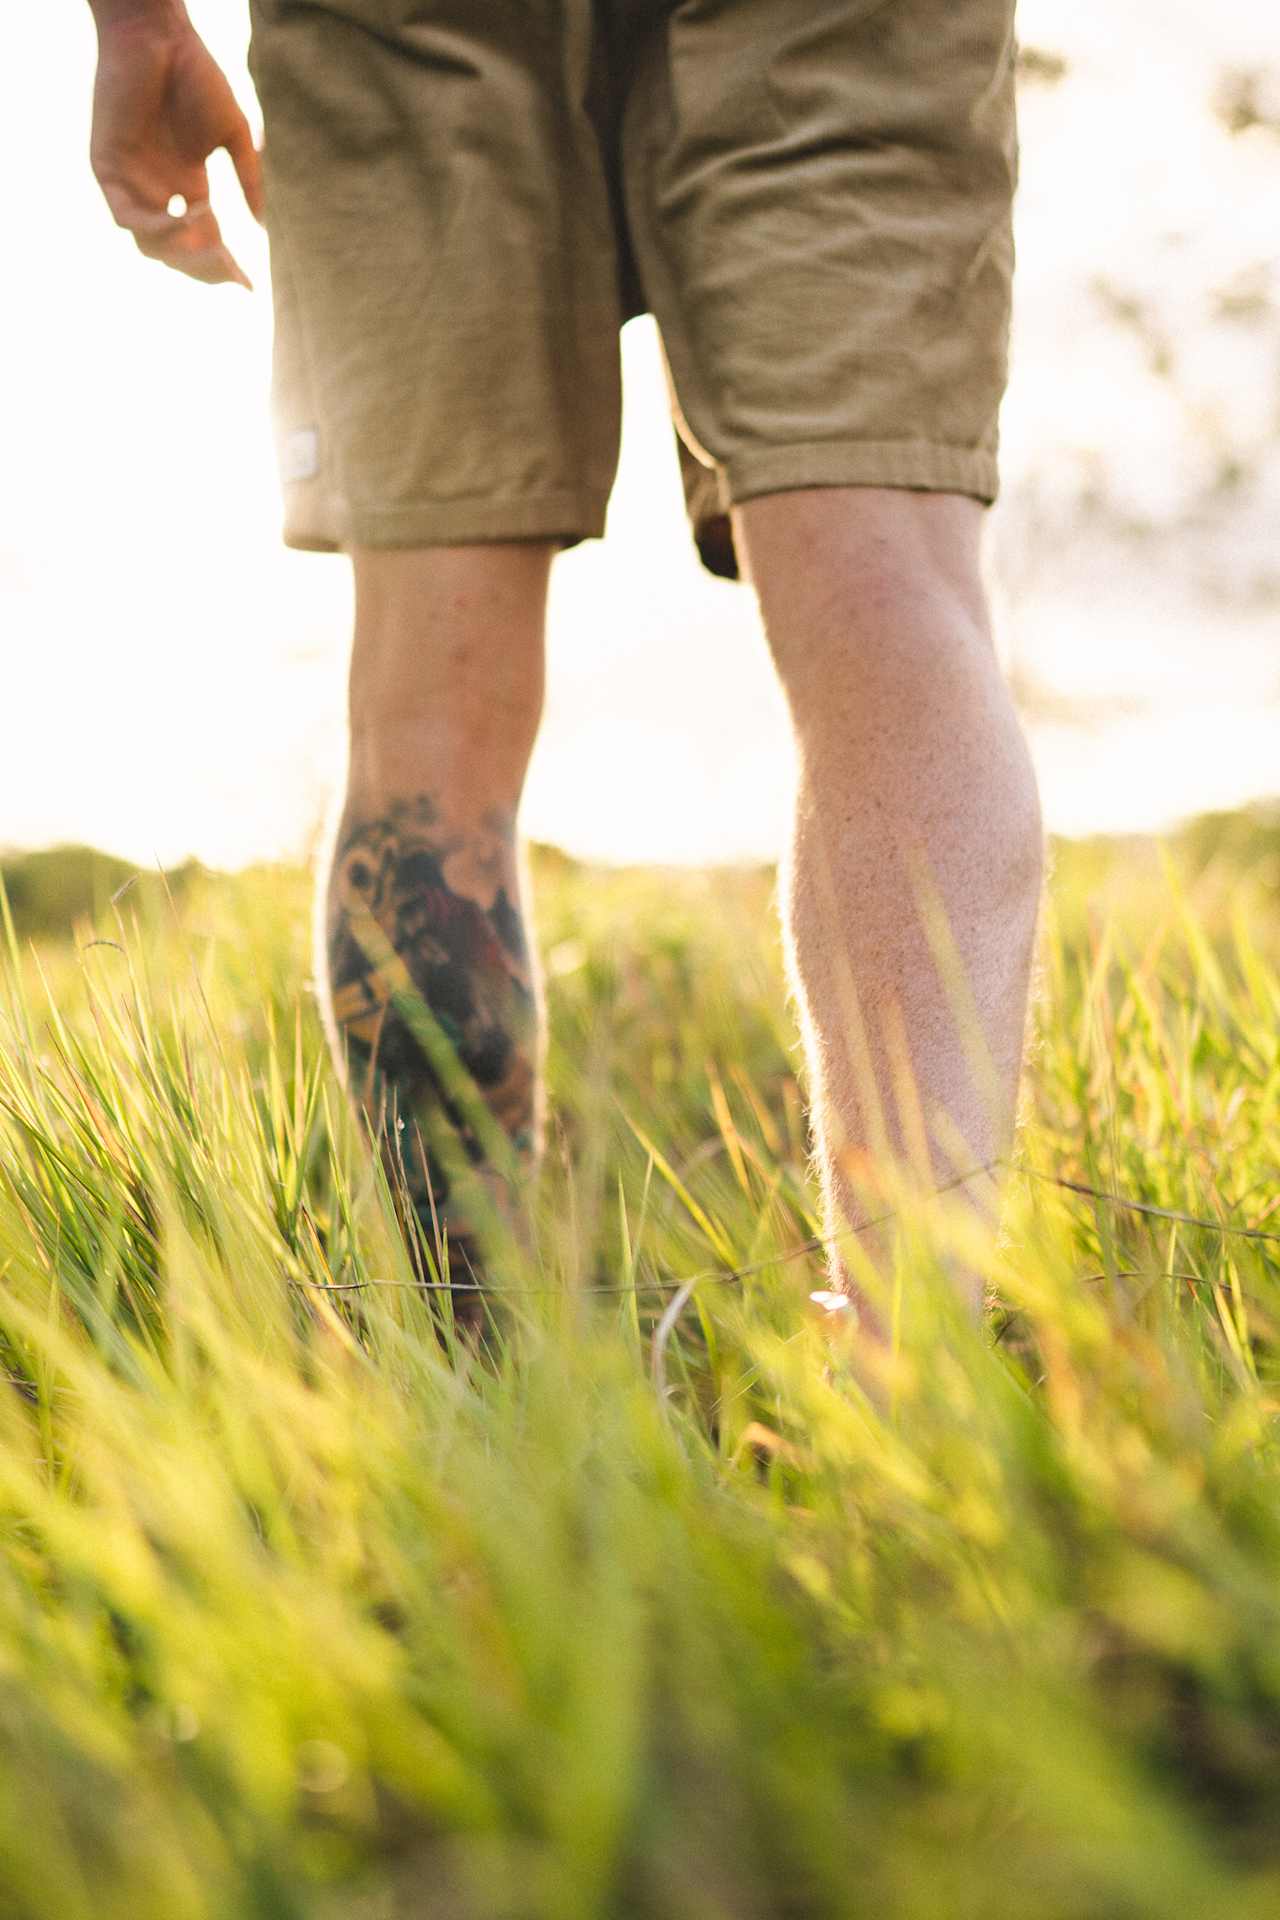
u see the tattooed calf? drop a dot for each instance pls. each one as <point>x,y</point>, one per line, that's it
<point>420,916</point>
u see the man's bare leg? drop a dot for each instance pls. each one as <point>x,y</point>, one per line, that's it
<point>912,768</point>
<point>424,940</point>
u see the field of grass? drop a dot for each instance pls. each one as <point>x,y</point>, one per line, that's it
<point>303,1614</point>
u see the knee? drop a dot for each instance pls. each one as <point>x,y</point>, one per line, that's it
<point>856,571</point>
<point>447,665</point>
<point>908,739</point>
<point>877,618</point>
<point>897,690</point>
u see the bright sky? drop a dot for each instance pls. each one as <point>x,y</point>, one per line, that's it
<point>176,678</point>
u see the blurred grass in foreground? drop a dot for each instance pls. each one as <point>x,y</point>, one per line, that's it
<point>302,1616</point>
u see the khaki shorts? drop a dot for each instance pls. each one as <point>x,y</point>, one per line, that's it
<point>468,197</point>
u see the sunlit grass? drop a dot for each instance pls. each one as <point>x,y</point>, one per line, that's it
<point>305,1613</point>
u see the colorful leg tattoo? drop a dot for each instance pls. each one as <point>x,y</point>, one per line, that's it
<point>434,1005</point>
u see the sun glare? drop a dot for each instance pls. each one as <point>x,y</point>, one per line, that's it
<point>180,677</point>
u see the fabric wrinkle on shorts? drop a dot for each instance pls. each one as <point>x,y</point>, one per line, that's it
<point>468,198</point>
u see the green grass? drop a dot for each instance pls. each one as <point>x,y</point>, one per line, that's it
<point>303,1615</point>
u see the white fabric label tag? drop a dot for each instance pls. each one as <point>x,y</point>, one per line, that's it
<point>300,455</point>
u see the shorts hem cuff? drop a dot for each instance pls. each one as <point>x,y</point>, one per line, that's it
<point>922,465</point>
<point>566,517</point>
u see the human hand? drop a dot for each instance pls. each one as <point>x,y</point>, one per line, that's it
<point>161,106</point>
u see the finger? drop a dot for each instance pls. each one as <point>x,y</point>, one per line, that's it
<point>191,244</point>
<point>247,162</point>
<point>214,266</point>
<point>190,241</point>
